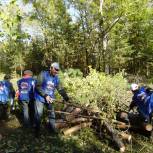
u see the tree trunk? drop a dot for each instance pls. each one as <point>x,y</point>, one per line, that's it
<point>135,121</point>
<point>114,137</point>
<point>125,136</point>
<point>80,120</point>
<point>76,128</point>
<point>60,124</point>
<point>73,114</point>
<point>101,7</point>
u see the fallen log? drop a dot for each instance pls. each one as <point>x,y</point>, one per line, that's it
<point>122,116</point>
<point>143,126</point>
<point>76,128</point>
<point>72,104</point>
<point>69,109</point>
<point>80,120</point>
<point>122,126</point>
<point>125,136</point>
<point>61,124</point>
<point>118,122</point>
<point>78,115</point>
<point>134,121</point>
<point>84,118</point>
<point>74,113</point>
<point>147,127</point>
<point>137,122</point>
<point>114,136</point>
<point>64,124</point>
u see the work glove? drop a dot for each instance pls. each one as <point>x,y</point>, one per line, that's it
<point>63,93</point>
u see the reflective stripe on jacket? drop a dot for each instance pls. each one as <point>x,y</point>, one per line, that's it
<point>48,85</point>
<point>4,93</point>
<point>26,89</point>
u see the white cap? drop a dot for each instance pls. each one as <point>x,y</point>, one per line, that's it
<point>55,65</point>
<point>134,86</point>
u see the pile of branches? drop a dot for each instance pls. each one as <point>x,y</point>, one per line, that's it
<point>75,117</point>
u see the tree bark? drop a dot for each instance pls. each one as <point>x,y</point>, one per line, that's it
<point>125,136</point>
<point>114,137</point>
<point>76,128</point>
<point>133,121</point>
<point>80,120</point>
<point>61,124</point>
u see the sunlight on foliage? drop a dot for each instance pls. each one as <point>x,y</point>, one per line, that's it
<point>97,90</point>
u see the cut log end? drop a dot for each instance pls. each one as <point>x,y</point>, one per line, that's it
<point>148,127</point>
<point>122,149</point>
<point>129,138</point>
<point>126,136</point>
<point>61,125</point>
<point>76,128</point>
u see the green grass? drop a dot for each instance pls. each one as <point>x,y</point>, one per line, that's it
<point>19,140</point>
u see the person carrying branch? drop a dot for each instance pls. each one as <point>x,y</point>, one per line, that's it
<point>47,82</point>
<point>143,100</point>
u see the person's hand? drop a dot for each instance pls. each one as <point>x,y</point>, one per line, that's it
<point>49,99</point>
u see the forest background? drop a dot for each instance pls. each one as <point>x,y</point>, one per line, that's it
<point>111,36</point>
<point>101,46</point>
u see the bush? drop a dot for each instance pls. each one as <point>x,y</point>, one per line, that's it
<point>98,90</point>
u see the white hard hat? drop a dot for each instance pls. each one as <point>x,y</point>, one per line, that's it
<point>134,86</point>
<point>55,65</point>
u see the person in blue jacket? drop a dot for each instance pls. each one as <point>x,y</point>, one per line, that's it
<point>142,99</point>
<point>47,82</point>
<point>26,87</point>
<point>11,90</point>
<point>4,99</point>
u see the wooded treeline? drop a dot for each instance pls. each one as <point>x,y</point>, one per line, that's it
<point>111,36</point>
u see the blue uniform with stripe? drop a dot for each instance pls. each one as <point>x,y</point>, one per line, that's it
<point>145,104</point>
<point>149,100</point>
<point>48,86</point>
<point>26,88</point>
<point>4,93</point>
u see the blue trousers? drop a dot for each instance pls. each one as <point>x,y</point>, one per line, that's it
<point>39,106</point>
<point>28,113</point>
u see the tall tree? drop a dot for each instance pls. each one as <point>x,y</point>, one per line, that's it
<point>13,46</point>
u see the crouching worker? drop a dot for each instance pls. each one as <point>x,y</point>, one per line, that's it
<point>26,87</point>
<point>47,82</point>
<point>4,101</point>
<point>143,100</point>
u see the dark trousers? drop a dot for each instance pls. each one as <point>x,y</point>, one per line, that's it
<point>39,106</point>
<point>4,111</point>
